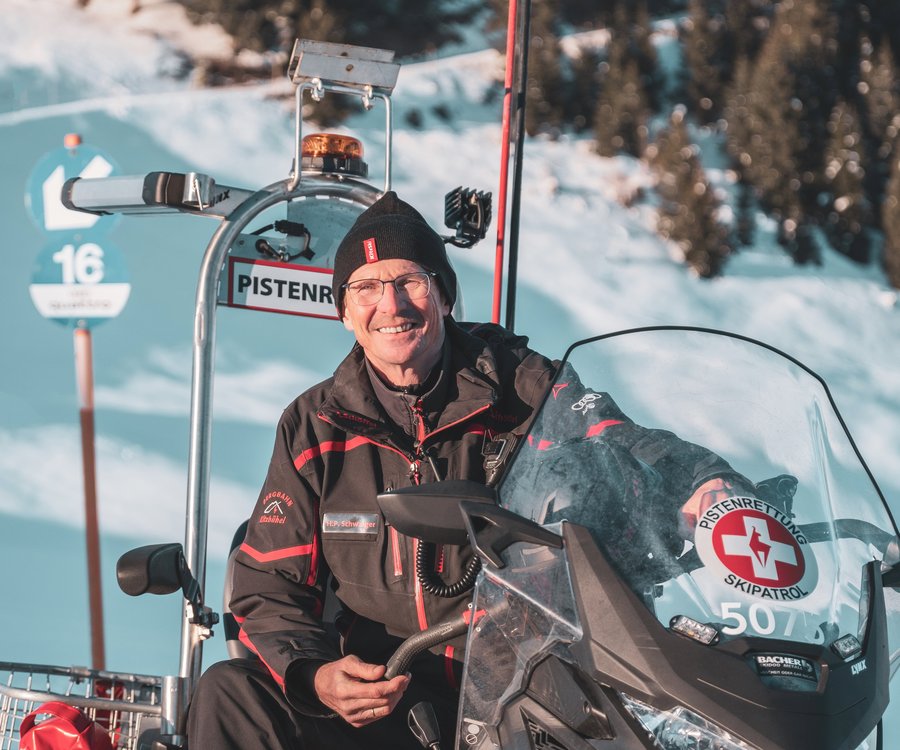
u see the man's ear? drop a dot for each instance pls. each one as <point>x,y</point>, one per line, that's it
<point>442,299</point>
<point>348,324</point>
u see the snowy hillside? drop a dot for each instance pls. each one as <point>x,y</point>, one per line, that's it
<point>590,263</point>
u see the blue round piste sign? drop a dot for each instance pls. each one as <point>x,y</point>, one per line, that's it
<point>79,283</point>
<point>42,195</point>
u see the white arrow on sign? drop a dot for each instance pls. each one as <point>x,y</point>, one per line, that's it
<point>56,215</point>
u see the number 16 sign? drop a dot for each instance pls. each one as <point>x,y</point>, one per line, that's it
<point>79,284</point>
<point>77,280</point>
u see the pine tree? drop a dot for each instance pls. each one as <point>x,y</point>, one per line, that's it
<point>789,96</point>
<point>850,213</point>
<point>718,35</point>
<point>688,212</point>
<point>622,111</point>
<point>544,95</point>
<point>406,26</point>
<point>623,104</point>
<point>748,23</point>
<point>707,58</point>
<point>583,90</point>
<point>769,133</point>
<point>890,224</point>
<point>879,87</point>
<point>642,49</point>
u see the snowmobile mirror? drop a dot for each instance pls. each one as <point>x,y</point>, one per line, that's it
<point>493,529</point>
<point>153,569</point>
<point>431,512</point>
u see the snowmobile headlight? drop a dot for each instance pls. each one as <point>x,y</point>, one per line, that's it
<point>681,728</point>
<point>333,153</point>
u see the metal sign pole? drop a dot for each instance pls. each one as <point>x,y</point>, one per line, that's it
<point>84,375</point>
<point>79,281</point>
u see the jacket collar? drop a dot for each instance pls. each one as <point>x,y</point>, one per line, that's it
<point>469,384</point>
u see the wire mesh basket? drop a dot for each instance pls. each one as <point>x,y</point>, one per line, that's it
<point>127,706</point>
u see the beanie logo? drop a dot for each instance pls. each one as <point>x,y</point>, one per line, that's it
<point>370,250</point>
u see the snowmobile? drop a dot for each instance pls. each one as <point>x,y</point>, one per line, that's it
<point>596,621</point>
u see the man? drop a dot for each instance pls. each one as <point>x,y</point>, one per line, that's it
<point>418,399</point>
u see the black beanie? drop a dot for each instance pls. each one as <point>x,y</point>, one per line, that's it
<point>391,228</point>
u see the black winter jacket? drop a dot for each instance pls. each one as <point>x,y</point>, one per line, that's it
<point>335,450</point>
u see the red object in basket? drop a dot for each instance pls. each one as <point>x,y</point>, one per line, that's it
<point>66,728</point>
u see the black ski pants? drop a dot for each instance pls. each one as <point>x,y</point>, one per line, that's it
<point>238,706</point>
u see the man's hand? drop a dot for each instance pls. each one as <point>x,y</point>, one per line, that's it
<point>355,690</point>
<point>706,495</point>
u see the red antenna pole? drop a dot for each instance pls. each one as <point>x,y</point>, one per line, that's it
<point>504,160</point>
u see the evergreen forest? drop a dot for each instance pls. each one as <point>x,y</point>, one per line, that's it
<point>804,95</point>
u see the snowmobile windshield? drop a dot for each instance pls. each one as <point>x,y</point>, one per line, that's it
<point>636,422</point>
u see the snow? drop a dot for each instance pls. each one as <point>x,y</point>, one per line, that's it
<point>590,263</point>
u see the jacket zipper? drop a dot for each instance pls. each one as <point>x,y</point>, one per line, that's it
<point>416,476</point>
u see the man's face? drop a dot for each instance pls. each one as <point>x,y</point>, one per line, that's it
<point>402,337</point>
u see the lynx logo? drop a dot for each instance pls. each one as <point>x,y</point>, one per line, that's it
<point>587,402</point>
<point>756,549</point>
<point>860,666</point>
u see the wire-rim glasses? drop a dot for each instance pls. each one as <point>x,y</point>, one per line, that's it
<point>365,292</point>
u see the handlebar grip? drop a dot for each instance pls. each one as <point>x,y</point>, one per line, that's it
<point>419,642</point>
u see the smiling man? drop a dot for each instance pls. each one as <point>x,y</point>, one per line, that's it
<point>420,398</point>
<point>416,400</point>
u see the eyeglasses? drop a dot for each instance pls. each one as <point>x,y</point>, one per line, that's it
<point>369,291</point>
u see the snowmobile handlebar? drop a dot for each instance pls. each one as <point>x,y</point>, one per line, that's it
<point>419,642</point>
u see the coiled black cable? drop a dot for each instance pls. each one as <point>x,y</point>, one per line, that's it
<point>432,583</point>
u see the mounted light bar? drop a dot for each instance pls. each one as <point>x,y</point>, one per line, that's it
<point>698,631</point>
<point>847,647</point>
<point>152,193</point>
<point>330,153</point>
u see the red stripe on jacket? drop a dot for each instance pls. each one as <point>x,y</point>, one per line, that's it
<point>245,639</point>
<point>592,431</point>
<point>420,595</point>
<point>329,446</point>
<point>448,668</point>
<point>596,429</point>
<point>395,549</point>
<point>284,553</point>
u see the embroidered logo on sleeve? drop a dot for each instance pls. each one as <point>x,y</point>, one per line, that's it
<point>273,505</point>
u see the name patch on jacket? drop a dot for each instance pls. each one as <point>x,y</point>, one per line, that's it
<point>354,525</point>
